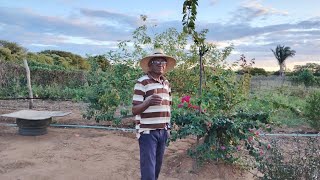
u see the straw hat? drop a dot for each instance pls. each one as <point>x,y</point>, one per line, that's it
<point>171,62</point>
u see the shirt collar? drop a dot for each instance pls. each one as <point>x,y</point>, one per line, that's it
<point>162,78</point>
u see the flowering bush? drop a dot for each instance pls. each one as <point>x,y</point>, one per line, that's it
<point>220,136</point>
<point>223,129</point>
<point>185,100</point>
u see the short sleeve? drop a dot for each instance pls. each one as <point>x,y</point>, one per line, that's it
<point>139,93</point>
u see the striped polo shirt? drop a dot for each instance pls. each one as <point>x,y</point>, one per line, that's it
<point>156,116</point>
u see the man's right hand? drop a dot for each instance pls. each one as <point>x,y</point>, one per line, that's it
<point>153,100</point>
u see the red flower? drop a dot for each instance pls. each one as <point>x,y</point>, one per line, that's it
<point>269,146</point>
<point>261,152</point>
<point>209,124</point>
<point>180,105</point>
<point>185,99</point>
<point>195,107</point>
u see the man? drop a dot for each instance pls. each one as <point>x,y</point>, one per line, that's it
<point>151,105</point>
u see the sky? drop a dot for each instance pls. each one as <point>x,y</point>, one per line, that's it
<point>93,27</point>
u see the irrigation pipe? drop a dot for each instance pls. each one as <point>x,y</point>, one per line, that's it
<point>133,130</point>
<point>292,135</point>
<point>78,126</point>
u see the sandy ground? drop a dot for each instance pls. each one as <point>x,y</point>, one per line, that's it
<point>89,154</point>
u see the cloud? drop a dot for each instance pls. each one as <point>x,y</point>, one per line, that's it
<point>112,17</point>
<point>42,45</point>
<point>97,31</point>
<point>25,21</point>
<point>253,9</point>
<point>80,34</point>
<point>213,2</point>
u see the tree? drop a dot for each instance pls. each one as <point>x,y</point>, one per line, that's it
<point>5,54</point>
<point>258,71</point>
<point>306,77</point>
<point>67,59</point>
<point>282,53</point>
<point>313,67</point>
<point>102,61</point>
<point>14,47</point>
<point>40,58</point>
<point>11,51</point>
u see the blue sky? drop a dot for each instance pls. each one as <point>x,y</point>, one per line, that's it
<point>95,26</point>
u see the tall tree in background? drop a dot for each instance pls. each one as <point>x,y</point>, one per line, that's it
<point>282,53</point>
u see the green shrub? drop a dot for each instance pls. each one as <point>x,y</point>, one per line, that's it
<point>55,92</point>
<point>108,90</point>
<point>306,77</point>
<point>312,109</point>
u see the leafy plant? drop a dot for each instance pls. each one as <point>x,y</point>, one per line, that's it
<point>306,77</point>
<point>221,136</point>
<point>108,90</point>
<point>312,109</point>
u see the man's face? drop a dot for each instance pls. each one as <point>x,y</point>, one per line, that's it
<point>158,65</point>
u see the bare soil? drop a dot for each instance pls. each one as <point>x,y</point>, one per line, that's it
<point>89,154</point>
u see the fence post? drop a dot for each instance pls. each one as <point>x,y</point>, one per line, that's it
<point>28,83</point>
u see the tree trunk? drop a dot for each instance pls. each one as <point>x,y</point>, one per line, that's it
<point>281,72</point>
<point>28,83</point>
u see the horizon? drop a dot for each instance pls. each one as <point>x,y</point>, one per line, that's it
<point>254,27</point>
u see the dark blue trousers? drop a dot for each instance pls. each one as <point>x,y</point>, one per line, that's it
<point>152,148</point>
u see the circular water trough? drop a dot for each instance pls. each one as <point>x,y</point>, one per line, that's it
<point>32,127</point>
<point>32,122</point>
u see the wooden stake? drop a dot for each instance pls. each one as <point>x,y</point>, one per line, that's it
<point>28,83</point>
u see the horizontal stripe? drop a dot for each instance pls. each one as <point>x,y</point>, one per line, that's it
<point>144,129</point>
<point>143,78</point>
<point>162,95</point>
<point>147,81</point>
<point>152,86</point>
<point>155,114</point>
<point>155,120</point>
<point>138,92</point>
<point>137,98</point>
<point>157,91</point>
<point>136,102</point>
<point>161,108</point>
<point>140,87</point>
<point>165,96</point>
<point>154,126</point>
<point>138,118</point>
<point>166,102</point>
